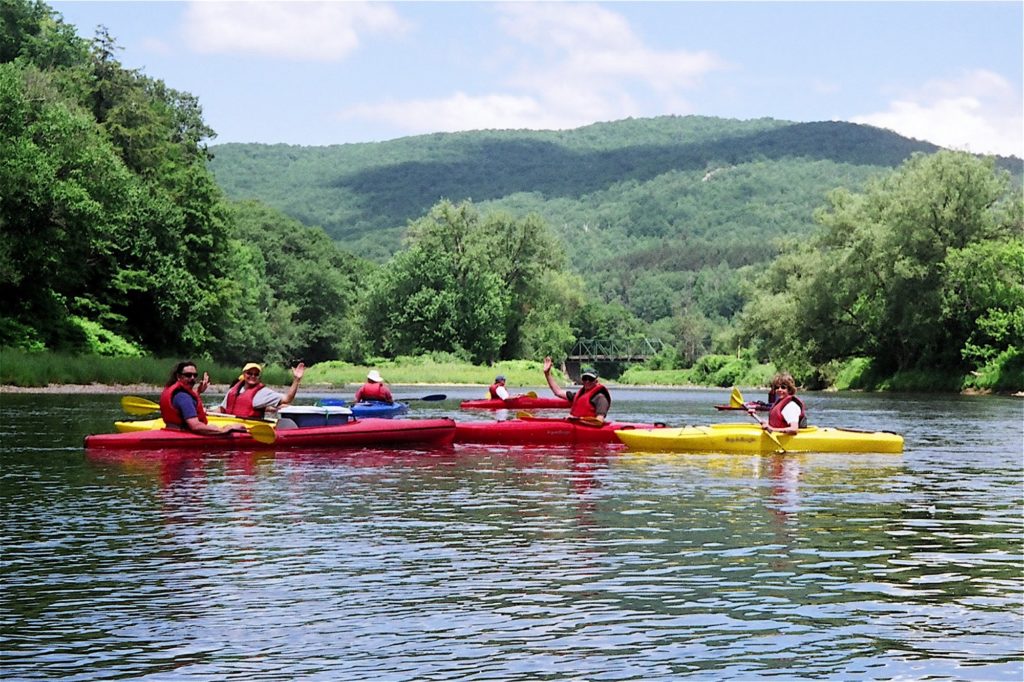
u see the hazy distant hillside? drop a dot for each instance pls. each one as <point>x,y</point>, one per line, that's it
<point>641,204</point>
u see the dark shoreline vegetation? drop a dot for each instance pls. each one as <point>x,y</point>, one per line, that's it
<point>850,256</point>
<point>22,369</point>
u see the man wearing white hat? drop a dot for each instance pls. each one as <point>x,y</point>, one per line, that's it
<point>374,389</point>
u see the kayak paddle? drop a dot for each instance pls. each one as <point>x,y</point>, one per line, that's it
<point>736,398</point>
<point>586,421</point>
<point>771,434</point>
<point>138,406</point>
<point>432,397</point>
<point>262,433</point>
<point>530,394</point>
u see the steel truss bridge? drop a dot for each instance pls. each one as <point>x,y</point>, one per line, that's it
<point>598,351</point>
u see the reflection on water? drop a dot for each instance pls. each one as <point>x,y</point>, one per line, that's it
<point>517,563</point>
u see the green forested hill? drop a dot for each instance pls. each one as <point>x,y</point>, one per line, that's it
<point>668,218</point>
<point>680,178</point>
<point>658,215</point>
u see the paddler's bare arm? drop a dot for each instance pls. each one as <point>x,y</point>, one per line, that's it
<point>555,388</point>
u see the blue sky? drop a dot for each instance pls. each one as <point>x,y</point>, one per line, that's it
<point>315,73</point>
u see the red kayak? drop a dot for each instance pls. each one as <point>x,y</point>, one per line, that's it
<point>539,431</point>
<point>355,433</point>
<point>520,402</point>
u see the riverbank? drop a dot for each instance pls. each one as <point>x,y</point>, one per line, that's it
<point>133,389</point>
<point>23,372</point>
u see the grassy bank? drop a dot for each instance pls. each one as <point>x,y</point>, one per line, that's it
<point>25,369</point>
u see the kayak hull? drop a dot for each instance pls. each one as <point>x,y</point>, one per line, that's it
<point>541,432</point>
<point>750,438</point>
<point>356,433</point>
<point>523,402</point>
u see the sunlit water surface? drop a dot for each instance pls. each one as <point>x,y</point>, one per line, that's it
<point>502,563</point>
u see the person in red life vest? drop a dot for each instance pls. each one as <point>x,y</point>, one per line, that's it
<point>498,390</point>
<point>788,414</point>
<point>774,394</point>
<point>593,400</point>
<point>250,399</point>
<point>374,389</point>
<point>181,407</point>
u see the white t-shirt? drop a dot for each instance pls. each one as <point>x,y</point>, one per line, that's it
<point>502,392</point>
<point>791,413</point>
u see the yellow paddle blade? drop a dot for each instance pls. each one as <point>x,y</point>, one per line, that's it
<point>736,398</point>
<point>531,394</point>
<point>263,433</point>
<point>138,406</point>
<point>522,414</point>
<point>589,421</point>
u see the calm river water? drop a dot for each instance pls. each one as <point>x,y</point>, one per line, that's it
<point>492,563</point>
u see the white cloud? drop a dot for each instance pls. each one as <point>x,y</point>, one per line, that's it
<point>462,112</point>
<point>592,45</point>
<point>314,31</point>
<point>977,111</point>
<point>567,64</point>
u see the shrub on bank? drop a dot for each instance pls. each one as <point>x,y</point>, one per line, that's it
<point>32,369</point>
<point>429,369</point>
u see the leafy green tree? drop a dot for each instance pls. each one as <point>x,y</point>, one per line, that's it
<point>66,196</point>
<point>130,236</point>
<point>546,329</point>
<point>983,298</point>
<point>295,289</point>
<point>872,283</point>
<point>439,295</point>
<point>467,284</point>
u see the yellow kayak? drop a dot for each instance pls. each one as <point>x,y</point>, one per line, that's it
<point>749,438</point>
<point>151,424</point>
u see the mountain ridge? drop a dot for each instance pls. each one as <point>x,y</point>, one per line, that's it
<point>364,194</point>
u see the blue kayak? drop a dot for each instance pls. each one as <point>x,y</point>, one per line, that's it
<point>368,408</point>
<point>372,408</point>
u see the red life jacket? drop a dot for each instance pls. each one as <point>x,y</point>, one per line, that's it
<point>581,405</point>
<point>240,404</point>
<point>775,419</point>
<point>372,390</point>
<point>494,392</point>
<point>170,413</point>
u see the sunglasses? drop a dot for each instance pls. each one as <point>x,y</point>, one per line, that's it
<point>252,373</point>
<point>189,375</point>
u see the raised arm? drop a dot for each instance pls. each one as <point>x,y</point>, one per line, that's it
<point>297,373</point>
<point>555,388</point>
